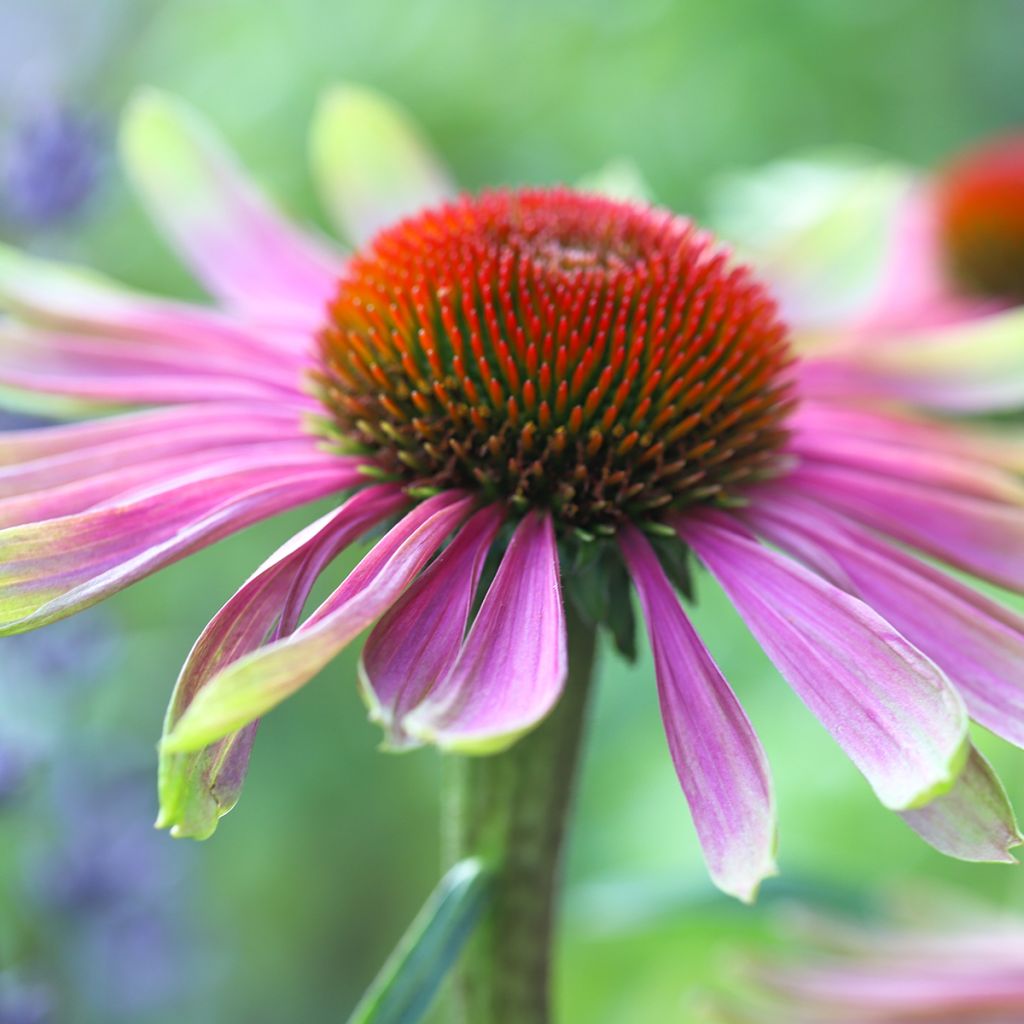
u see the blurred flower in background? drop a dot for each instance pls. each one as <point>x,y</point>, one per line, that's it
<point>965,968</point>
<point>907,285</point>
<point>50,167</point>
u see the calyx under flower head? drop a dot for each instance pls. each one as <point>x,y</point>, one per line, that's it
<point>980,200</point>
<point>600,359</point>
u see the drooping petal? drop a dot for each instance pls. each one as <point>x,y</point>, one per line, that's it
<point>512,667</point>
<point>78,300</point>
<point>978,643</point>
<point>974,820</point>
<point>416,643</point>
<point>250,686</point>
<point>371,163</point>
<point>105,371</point>
<point>717,755</point>
<point>982,537</point>
<point>909,431</point>
<point>43,457</point>
<point>892,710</point>
<point>197,788</point>
<point>934,467</point>
<point>225,228</point>
<point>51,569</point>
<point>972,366</point>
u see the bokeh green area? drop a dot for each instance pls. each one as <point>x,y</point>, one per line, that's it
<point>289,909</point>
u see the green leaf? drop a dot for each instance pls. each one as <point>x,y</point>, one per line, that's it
<point>406,985</point>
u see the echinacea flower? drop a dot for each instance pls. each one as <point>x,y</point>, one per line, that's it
<point>903,285</point>
<point>968,969</point>
<point>525,388</point>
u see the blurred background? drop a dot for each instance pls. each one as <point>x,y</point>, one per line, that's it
<point>288,911</point>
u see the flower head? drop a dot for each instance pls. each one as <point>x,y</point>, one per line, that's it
<point>519,387</point>
<point>596,359</point>
<point>979,198</point>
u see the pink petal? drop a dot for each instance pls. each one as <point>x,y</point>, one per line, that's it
<point>982,537</point>
<point>112,369</point>
<point>118,485</point>
<point>51,569</point>
<point>905,430</point>
<point>223,226</point>
<point>717,755</point>
<point>198,788</point>
<point>929,467</point>
<point>249,687</point>
<point>76,300</point>
<point>512,667</point>
<point>31,460</point>
<point>973,821</point>
<point>416,643</point>
<point>892,711</point>
<point>978,643</point>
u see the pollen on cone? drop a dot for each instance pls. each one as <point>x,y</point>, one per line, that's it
<point>600,359</point>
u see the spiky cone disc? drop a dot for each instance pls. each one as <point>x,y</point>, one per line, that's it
<point>980,201</point>
<point>600,359</point>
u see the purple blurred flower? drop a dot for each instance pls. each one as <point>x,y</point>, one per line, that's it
<point>23,1002</point>
<point>51,166</point>
<point>14,766</point>
<point>108,855</point>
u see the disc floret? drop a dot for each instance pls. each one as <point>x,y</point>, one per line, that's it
<point>596,358</point>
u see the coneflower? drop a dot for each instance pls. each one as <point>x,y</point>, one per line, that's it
<point>541,395</point>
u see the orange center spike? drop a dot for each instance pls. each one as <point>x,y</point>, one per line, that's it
<point>597,358</point>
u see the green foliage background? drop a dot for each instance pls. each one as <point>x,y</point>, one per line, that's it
<point>304,889</point>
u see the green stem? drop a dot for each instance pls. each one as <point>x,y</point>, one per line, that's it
<point>510,810</point>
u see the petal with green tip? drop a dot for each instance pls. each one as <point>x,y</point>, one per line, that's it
<point>370,162</point>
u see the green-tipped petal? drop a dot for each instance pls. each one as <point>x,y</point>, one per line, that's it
<point>618,179</point>
<point>974,820</point>
<point>371,163</point>
<point>223,226</point>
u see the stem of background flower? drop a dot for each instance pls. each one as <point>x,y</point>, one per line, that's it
<point>511,810</point>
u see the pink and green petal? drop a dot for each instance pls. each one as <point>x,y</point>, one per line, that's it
<point>978,643</point>
<point>243,249</point>
<point>66,297</point>
<point>890,708</point>
<point>911,433</point>
<point>51,569</point>
<point>371,163</point>
<point>949,472</point>
<point>44,457</point>
<point>110,371</point>
<point>717,755</point>
<point>247,688</point>
<point>416,643</point>
<point>982,537</point>
<point>199,787</point>
<point>974,820</point>
<point>511,670</point>
<point>976,365</point>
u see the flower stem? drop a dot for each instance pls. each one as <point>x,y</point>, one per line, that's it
<point>510,809</point>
